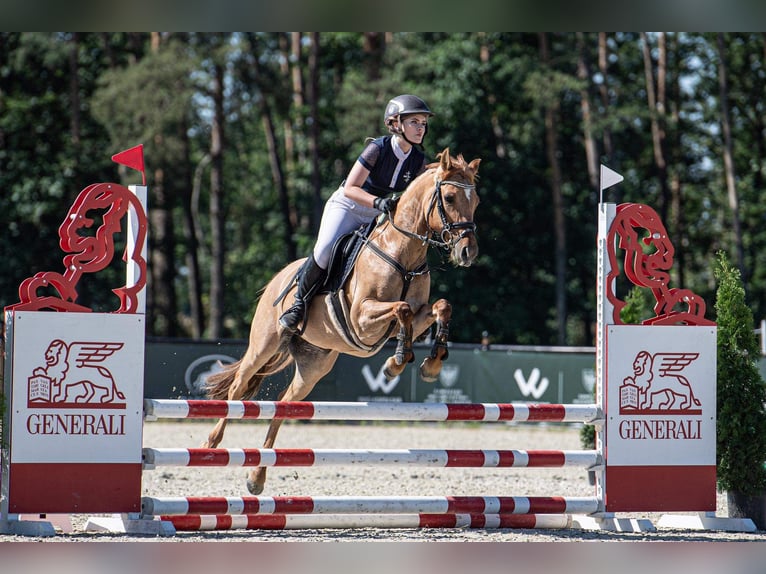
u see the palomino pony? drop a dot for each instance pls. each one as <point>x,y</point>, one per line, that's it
<point>389,286</point>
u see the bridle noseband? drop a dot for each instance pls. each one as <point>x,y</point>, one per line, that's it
<point>444,239</point>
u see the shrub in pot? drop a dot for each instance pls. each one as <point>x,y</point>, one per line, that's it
<point>741,394</point>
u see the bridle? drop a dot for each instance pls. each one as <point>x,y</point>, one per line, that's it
<point>445,238</point>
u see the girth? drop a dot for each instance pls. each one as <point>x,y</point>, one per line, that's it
<point>338,308</point>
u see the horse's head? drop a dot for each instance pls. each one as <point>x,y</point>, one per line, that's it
<point>450,208</point>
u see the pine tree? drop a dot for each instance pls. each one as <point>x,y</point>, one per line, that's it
<point>741,419</point>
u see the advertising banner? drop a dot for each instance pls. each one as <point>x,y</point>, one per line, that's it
<point>661,422</point>
<point>178,369</point>
<point>77,412</point>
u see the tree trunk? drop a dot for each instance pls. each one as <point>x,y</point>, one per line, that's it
<point>374,47</point>
<point>656,103</point>
<point>728,156</point>
<point>603,90</point>
<point>485,56</point>
<point>552,152</point>
<point>217,246</point>
<point>313,139</point>
<point>291,66</point>
<point>277,173</point>
<point>677,219</point>
<point>196,315</point>
<point>161,296</point>
<point>591,152</point>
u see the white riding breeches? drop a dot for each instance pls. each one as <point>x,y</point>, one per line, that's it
<point>341,215</point>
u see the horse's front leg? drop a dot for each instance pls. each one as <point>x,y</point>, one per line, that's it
<point>432,365</point>
<point>375,316</point>
<point>403,354</point>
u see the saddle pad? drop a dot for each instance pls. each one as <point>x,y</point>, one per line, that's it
<point>338,312</point>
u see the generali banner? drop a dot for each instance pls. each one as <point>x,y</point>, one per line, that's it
<point>77,412</point>
<point>661,422</point>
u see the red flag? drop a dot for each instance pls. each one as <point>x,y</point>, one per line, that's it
<point>132,158</point>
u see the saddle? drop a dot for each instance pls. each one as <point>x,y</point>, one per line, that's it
<point>345,252</point>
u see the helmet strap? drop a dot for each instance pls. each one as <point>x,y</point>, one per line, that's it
<point>400,132</point>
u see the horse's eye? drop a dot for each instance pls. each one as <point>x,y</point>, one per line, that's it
<point>449,198</point>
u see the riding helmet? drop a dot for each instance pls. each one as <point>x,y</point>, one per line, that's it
<point>403,105</point>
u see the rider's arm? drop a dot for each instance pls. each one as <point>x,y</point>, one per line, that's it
<point>353,186</point>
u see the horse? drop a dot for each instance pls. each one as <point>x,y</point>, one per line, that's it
<point>389,286</point>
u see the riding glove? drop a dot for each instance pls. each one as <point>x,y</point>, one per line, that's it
<point>385,204</point>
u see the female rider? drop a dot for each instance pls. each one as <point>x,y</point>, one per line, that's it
<point>387,165</point>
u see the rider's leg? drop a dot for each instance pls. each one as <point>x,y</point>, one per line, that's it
<point>310,279</point>
<point>340,216</point>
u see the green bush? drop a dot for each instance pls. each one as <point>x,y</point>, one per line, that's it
<point>741,418</point>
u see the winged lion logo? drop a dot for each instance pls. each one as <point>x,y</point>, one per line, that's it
<point>658,383</point>
<point>74,374</point>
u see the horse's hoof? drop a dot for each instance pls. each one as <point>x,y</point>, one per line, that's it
<point>254,488</point>
<point>429,370</point>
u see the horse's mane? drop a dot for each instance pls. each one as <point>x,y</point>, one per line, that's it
<point>456,164</point>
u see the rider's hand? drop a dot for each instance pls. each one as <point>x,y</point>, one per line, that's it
<point>385,204</point>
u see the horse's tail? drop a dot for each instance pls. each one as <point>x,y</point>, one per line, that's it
<point>217,384</point>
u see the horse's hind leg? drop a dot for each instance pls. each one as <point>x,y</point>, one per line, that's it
<point>243,380</point>
<point>432,365</point>
<point>311,364</point>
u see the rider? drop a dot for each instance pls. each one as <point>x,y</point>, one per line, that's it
<point>386,165</point>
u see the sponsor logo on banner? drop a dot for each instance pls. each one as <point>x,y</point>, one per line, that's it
<point>661,392</point>
<point>534,386</point>
<point>75,376</point>
<point>196,374</point>
<point>379,382</point>
<point>658,385</point>
<point>449,374</point>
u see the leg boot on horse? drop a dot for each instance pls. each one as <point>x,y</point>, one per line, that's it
<point>311,277</point>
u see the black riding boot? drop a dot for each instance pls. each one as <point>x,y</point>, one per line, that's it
<point>309,281</point>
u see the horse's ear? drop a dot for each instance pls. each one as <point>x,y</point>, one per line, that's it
<point>444,159</point>
<point>474,166</point>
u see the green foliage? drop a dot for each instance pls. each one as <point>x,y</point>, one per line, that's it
<point>741,417</point>
<point>638,306</point>
<point>488,90</point>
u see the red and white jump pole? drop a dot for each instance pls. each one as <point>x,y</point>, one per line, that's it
<point>196,523</point>
<point>152,506</point>
<point>368,411</point>
<point>154,457</point>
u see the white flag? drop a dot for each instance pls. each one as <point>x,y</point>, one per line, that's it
<point>609,177</point>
